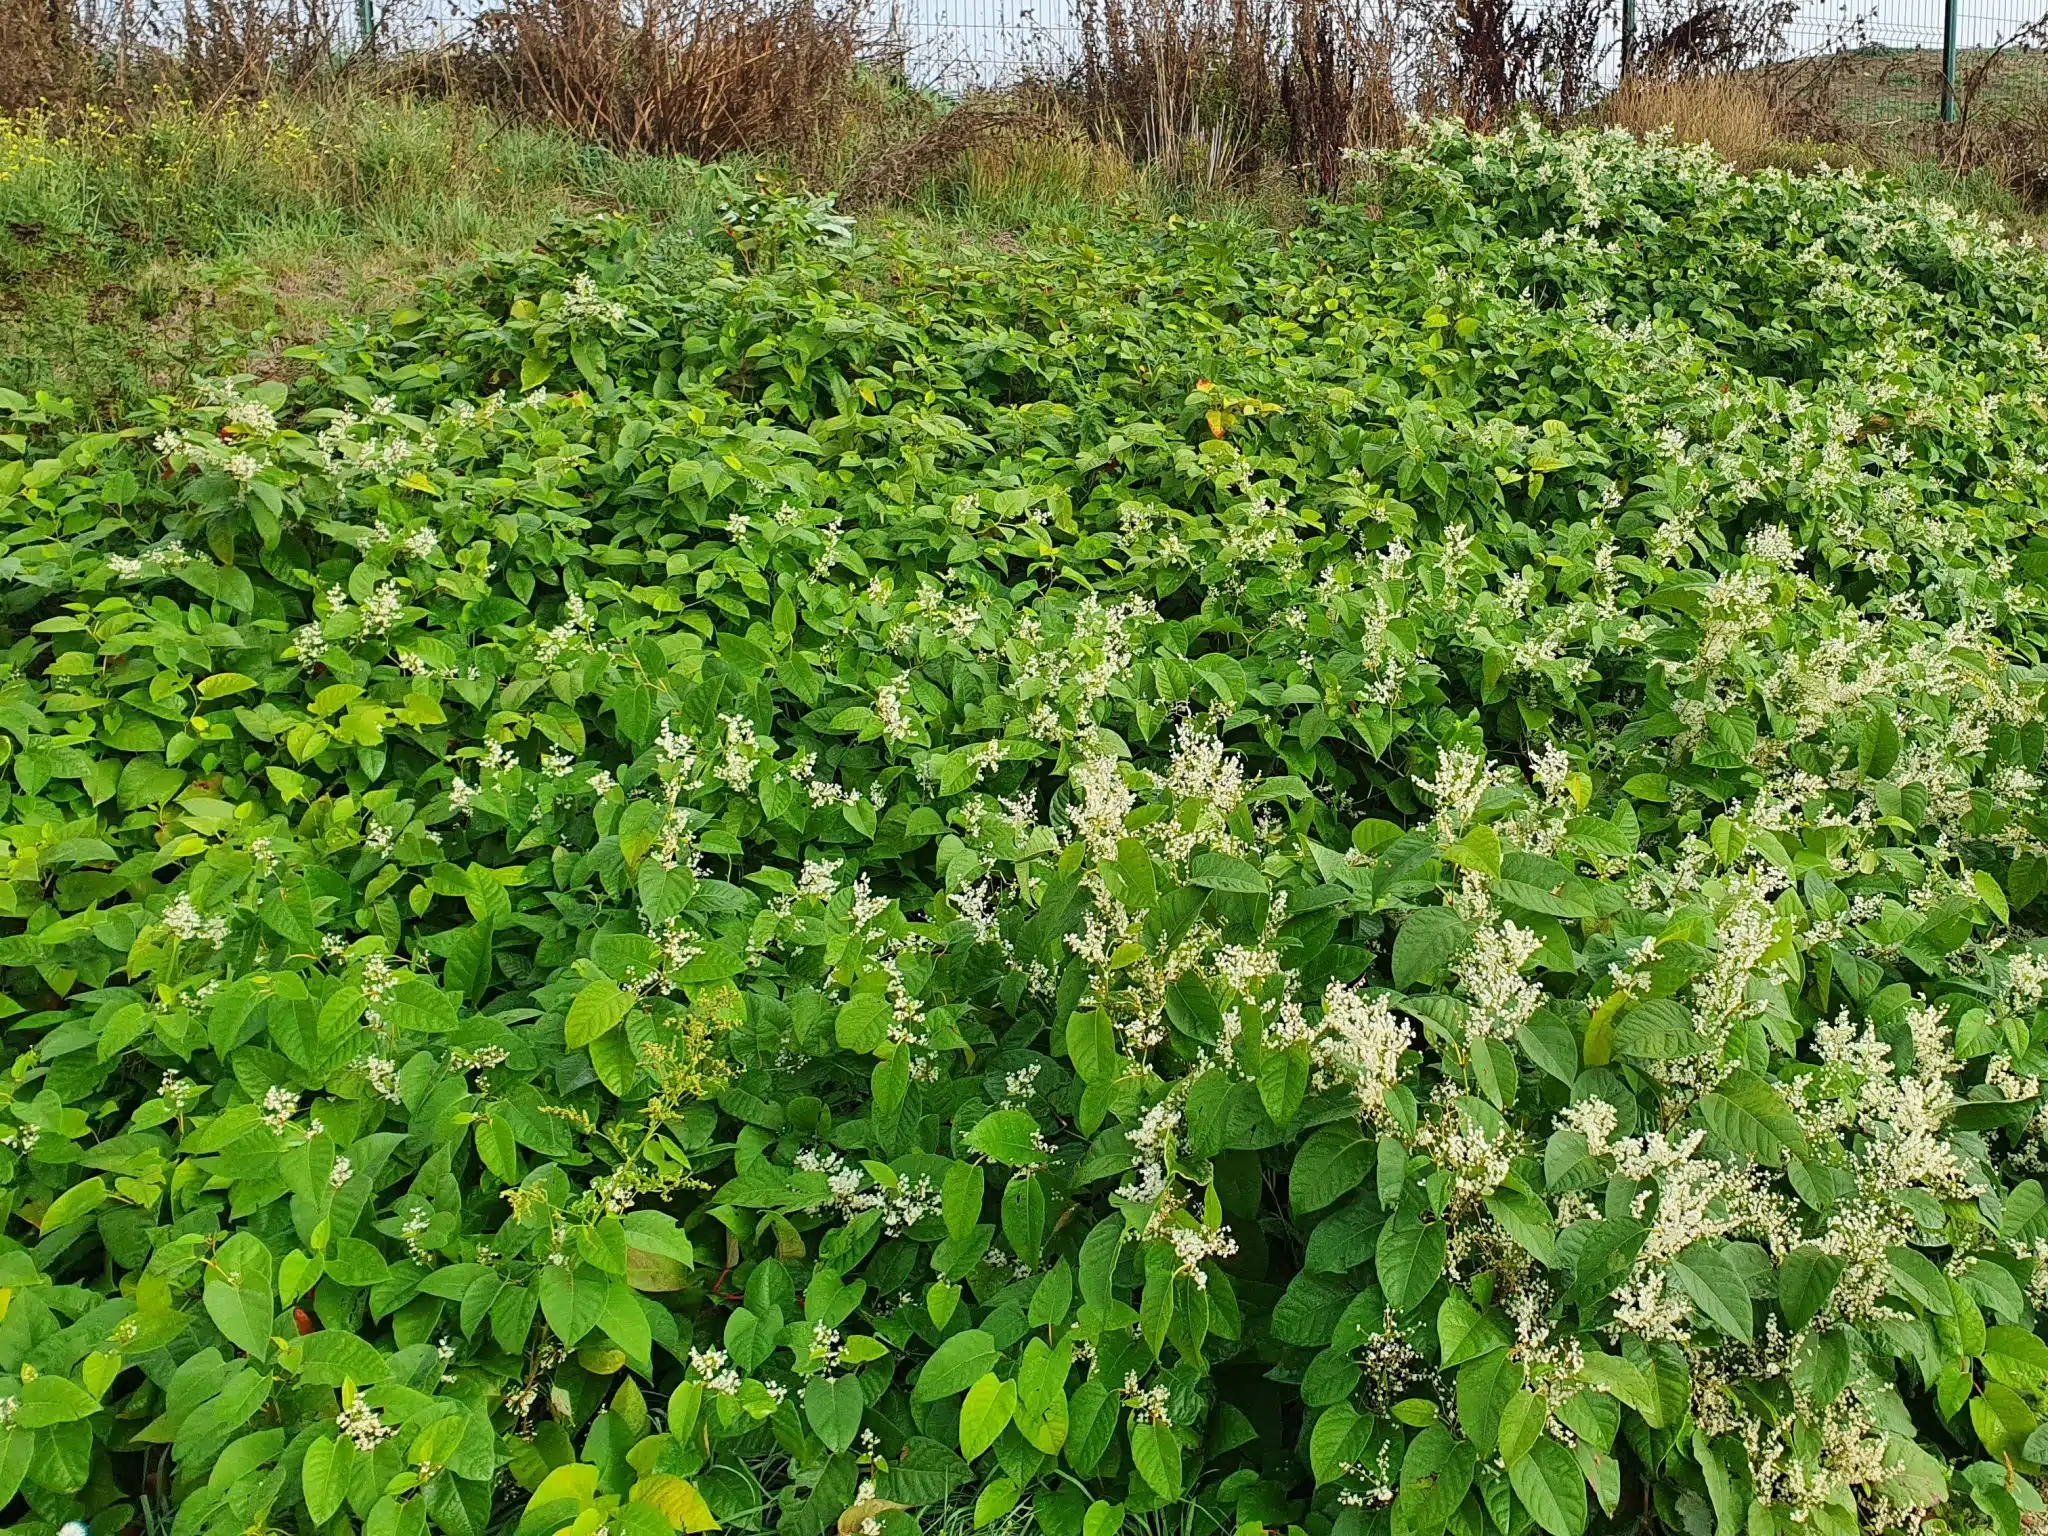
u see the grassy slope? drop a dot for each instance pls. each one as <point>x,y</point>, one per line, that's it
<point>135,254</point>
<point>132,255</point>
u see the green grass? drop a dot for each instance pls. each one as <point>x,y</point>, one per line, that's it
<point>138,250</point>
<point>135,252</point>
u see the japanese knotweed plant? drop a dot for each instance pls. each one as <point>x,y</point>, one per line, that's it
<point>1387,882</point>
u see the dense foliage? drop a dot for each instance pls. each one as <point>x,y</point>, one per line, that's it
<point>1379,882</point>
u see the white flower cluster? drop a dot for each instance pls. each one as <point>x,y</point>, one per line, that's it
<point>903,1204</point>
<point>569,637</point>
<point>382,1075</point>
<point>382,608</point>
<point>743,748</point>
<point>167,556</point>
<point>897,723</point>
<point>1195,1244</point>
<point>279,1106</point>
<point>186,923</point>
<point>714,1372</point>
<point>582,304</point>
<point>1461,781</point>
<point>1147,1405</point>
<point>1359,1044</point>
<point>363,1425</point>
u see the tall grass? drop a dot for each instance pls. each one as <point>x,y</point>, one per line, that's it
<point>431,176</point>
<point>136,246</point>
<point>1730,113</point>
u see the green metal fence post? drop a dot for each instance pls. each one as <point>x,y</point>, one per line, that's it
<point>1950,9</point>
<point>366,20</point>
<point>1628,36</point>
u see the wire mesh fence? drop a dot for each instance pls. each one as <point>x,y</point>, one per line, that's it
<point>1880,66</point>
<point>1887,71</point>
<point>1866,70</point>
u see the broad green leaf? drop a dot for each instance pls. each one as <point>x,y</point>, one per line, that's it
<point>1156,1455</point>
<point>1549,1485</point>
<point>1427,939</point>
<point>572,1299</point>
<point>597,1009</point>
<point>833,1407</point>
<point>1409,1259</point>
<point>956,1365</point>
<point>1806,1279</point>
<point>238,1293</point>
<point>985,1413</point>
<point>1331,1163</point>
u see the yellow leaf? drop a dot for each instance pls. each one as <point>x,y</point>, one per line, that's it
<point>222,684</point>
<point>677,1501</point>
<point>867,1509</point>
<point>576,1481</point>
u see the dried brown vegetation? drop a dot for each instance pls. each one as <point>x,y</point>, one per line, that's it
<point>696,77</point>
<point>1733,115</point>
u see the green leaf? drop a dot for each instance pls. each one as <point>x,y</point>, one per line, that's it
<point>1914,1274</point>
<point>1428,938</point>
<point>621,1320</point>
<point>436,1444</point>
<point>324,1476</point>
<point>572,1299</point>
<point>1658,1030</point>
<point>1283,1082</point>
<point>1025,1210</point>
<point>80,1200</point>
<point>51,1399</point>
<point>955,1365</point>
<point>862,1023</point>
<point>1806,1279</point>
<point>1435,1474</point>
<point>1713,1286</point>
<point>833,1406</point>
<point>1989,893</point>
<point>1551,1488</point>
<point>1226,872</point>
<point>1339,1434</point>
<point>1008,1136</point>
<point>1747,1114</point>
<point>961,1198</point>
<point>1331,1163</point>
<point>1878,748</point>
<point>1091,1045</point>
<point>1156,1455</point>
<point>597,1009</point>
<point>17,1450</point>
<point>497,1148</point>
<point>1103,1519</point>
<point>588,355</point>
<point>238,1294</point>
<point>1410,1259</point>
<point>985,1413</point>
<point>996,1499</point>
<point>1462,1334</point>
